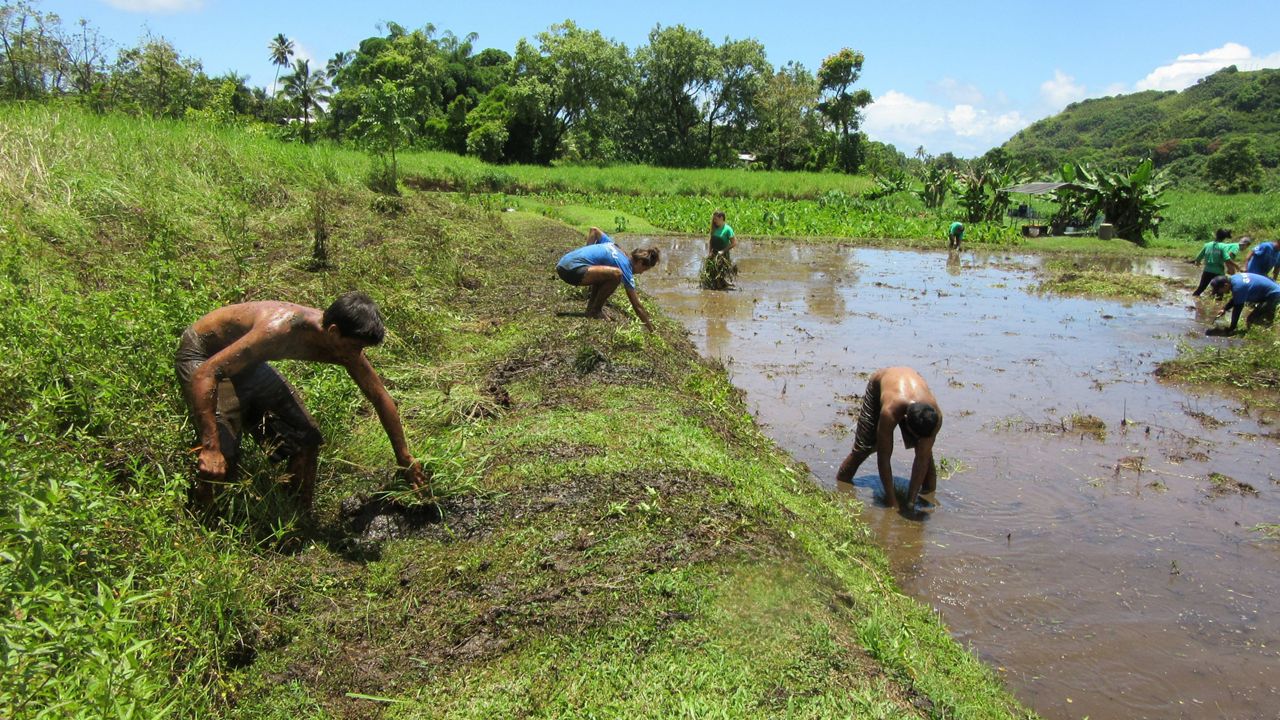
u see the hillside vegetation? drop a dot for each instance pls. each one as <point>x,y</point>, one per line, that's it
<point>607,532</point>
<point>1181,131</point>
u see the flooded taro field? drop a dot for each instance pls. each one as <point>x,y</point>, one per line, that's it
<point>1076,541</point>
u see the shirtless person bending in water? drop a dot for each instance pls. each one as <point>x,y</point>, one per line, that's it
<point>222,366</point>
<point>897,397</point>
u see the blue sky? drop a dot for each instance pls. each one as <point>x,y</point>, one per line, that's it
<point>951,76</point>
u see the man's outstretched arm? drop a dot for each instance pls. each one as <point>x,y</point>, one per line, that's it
<point>921,468</point>
<point>367,379</point>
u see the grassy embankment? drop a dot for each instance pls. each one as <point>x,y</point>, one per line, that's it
<point>617,538</point>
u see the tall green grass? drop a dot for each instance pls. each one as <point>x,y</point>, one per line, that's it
<point>115,233</point>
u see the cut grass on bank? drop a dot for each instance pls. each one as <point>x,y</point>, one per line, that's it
<point>610,534</point>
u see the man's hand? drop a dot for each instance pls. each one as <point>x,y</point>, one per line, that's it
<point>213,466</point>
<point>416,476</point>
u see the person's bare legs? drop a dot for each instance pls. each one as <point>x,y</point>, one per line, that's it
<point>851,464</point>
<point>603,280</point>
<point>302,476</point>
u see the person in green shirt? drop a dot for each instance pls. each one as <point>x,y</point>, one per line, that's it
<point>718,271</point>
<point>1230,251</point>
<point>1214,256</point>
<point>955,234</point>
<point>722,239</point>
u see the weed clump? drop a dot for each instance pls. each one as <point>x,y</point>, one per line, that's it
<point>1220,485</point>
<point>718,272</point>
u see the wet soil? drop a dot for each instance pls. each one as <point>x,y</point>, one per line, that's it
<point>1079,545</point>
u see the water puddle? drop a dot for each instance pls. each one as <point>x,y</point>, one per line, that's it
<point>1097,568</point>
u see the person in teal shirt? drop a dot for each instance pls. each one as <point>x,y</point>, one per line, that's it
<point>1214,257</point>
<point>722,238</point>
<point>955,235</point>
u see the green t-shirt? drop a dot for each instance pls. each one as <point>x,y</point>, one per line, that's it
<point>956,230</point>
<point>721,237</point>
<point>1215,257</point>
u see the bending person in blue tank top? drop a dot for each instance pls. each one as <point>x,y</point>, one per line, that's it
<point>603,266</point>
<point>1256,290</point>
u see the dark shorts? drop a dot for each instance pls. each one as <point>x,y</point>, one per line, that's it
<point>1264,312</point>
<point>869,420</point>
<point>572,275</point>
<point>258,400</point>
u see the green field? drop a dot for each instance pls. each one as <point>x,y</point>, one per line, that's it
<point>607,532</point>
<point>813,205</point>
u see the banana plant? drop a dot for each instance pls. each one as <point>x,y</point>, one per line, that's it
<point>1129,201</point>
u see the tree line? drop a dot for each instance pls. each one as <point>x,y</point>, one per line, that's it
<point>568,93</point>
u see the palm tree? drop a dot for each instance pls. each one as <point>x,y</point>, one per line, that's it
<point>337,62</point>
<point>308,90</point>
<point>281,49</point>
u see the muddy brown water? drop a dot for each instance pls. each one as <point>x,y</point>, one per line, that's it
<point>1099,576</point>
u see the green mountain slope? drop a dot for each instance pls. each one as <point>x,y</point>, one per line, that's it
<point>1180,130</point>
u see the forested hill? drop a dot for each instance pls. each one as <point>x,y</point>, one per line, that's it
<point>1180,130</point>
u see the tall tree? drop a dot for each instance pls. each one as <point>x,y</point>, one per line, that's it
<point>281,49</point>
<point>677,69</point>
<point>34,58</point>
<point>573,79</point>
<point>730,107</point>
<point>307,90</point>
<point>336,63</point>
<point>841,106</point>
<point>153,78</point>
<point>786,107</point>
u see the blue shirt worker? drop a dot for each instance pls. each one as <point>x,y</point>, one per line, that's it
<point>603,266</point>
<point>1264,260</point>
<point>1256,290</point>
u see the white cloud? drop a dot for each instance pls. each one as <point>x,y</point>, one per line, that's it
<point>958,92</point>
<point>156,6</point>
<point>1061,91</point>
<point>965,128</point>
<point>895,113</point>
<point>1189,68</point>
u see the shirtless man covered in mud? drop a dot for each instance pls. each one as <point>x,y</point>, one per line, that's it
<point>896,397</point>
<point>222,365</point>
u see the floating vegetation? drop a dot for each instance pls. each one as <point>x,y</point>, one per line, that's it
<point>950,467</point>
<point>1091,425</point>
<point>1270,531</point>
<point>1220,485</point>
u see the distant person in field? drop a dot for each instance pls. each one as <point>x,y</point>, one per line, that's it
<point>1215,260</point>
<point>222,365</point>
<point>602,266</point>
<point>1247,288</point>
<point>896,398</point>
<point>722,238</point>
<point>718,270</point>
<point>955,235</point>
<point>1264,260</point>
